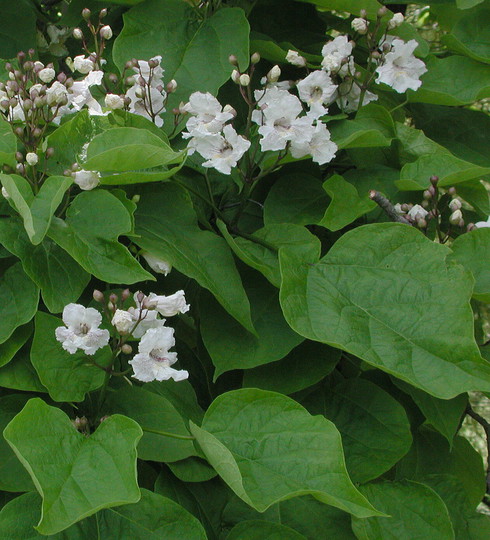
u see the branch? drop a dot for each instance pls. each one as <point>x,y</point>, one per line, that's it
<point>486,428</point>
<point>386,205</point>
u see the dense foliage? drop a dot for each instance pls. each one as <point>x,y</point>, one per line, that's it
<point>244,258</point>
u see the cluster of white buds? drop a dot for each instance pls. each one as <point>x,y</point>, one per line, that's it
<point>143,321</point>
<point>456,217</point>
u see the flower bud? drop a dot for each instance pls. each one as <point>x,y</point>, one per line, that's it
<point>111,306</point>
<point>86,13</point>
<point>469,227</point>
<point>106,32</point>
<point>28,66</point>
<point>32,159</point>
<point>171,86</point>
<point>103,13</point>
<point>49,152</point>
<point>28,104</point>
<point>452,191</point>
<point>125,294</point>
<point>425,204</point>
<point>47,74</point>
<point>360,25</point>
<point>20,168</point>
<point>233,60</point>
<point>235,76</point>
<point>113,298</point>
<point>140,296</point>
<point>363,13</point>
<point>122,321</point>
<point>136,198</point>
<point>382,11</point>
<point>421,223</point>
<point>274,74</point>
<point>19,131</point>
<point>77,33</point>
<point>113,78</point>
<point>113,102</point>
<point>456,217</point>
<point>80,423</point>
<point>255,58</point>
<point>86,180</point>
<point>4,104</point>
<point>98,295</point>
<point>229,109</point>
<point>13,102</point>
<point>433,180</point>
<point>396,21</point>
<point>19,157</point>
<point>127,349</point>
<point>427,194</point>
<point>21,56</point>
<point>454,205</point>
<point>244,79</point>
<point>36,133</point>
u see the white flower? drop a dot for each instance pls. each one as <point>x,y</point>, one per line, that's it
<point>32,158</point>
<point>113,101</point>
<point>396,21</point>
<point>334,53</point>
<point>86,180</point>
<point>295,59</point>
<point>149,319</point>
<point>278,119</point>
<point>47,74</point>
<point>207,115</point>
<point>82,64</point>
<point>145,71</point>
<point>482,224</point>
<point>400,69</point>
<point>80,95</point>
<point>417,212</point>
<point>360,25</point>
<point>316,90</point>
<point>150,104</point>
<point>156,264</point>
<point>153,360</point>
<point>349,94</point>
<point>221,152</point>
<point>56,94</point>
<point>82,330</point>
<point>168,306</point>
<point>123,321</point>
<point>319,146</point>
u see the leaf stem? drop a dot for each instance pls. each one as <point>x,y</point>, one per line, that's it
<point>486,428</point>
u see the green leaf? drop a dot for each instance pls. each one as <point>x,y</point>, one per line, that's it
<point>194,53</point>
<point>192,469</point>
<point>36,211</point>
<point>153,412</point>
<point>47,264</point>
<point>346,205</point>
<point>351,6</point>
<point>415,510</point>
<point>374,426</point>
<point>471,35</point>
<point>472,250</point>
<point>9,348</point>
<point>304,366</point>
<point>262,258</point>
<point>71,138</point>
<point>13,476</point>
<point>8,143</point>
<point>258,530</point>
<point>462,131</point>
<point>94,221</point>
<point>445,415</point>
<point>231,346</point>
<point>365,294</point>
<point>373,126</point>
<point>68,377</point>
<point>18,300</point>
<point>128,149</point>
<point>431,454</point>
<point>166,225</point>
<point>241,434</point>
<point>75,475</point>
<point>18,33</point>
<point>454,80</point>
<point>295,198</point>
<point>19,374</point>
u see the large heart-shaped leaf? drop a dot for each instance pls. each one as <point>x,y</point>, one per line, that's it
<point>75,475</point>
<point>94,221</point>
<point>375,295</point>
<point>242,433</point>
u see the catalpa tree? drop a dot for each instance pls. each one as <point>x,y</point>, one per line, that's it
<point>245,252</point>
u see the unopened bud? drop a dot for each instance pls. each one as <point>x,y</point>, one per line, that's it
<point>103,13</point>
<point>470,227</point>
<point>363,13</point>
<point>28,104</point>
<point>229,109</point>
<point>125,294</point>
<point>111,306</point>
<point>396,21</point>
<point>19,131</point>
<point>113,298</point>
<point>86,13</point>
<point>4,104</point>
<point>77,33</point>
<point>427,194</point>
<point>244,79</point>
<point>455,204</point>
<point>274,74</point>
<point>455,217</point>
<point>80,423</point>
<point>233,60</point>
<point>127,349</point>
<point>433,180</point>
<point>113,78</point>
<point>255,58</point>
<point>20,168</point>
<point>32,159</point>
<point>425,204</point>
<point>140,297</point>
<point>452,191</point>
<point>421,223</point>
<point>28,66</point>
<point>98,295</point>
<point>235,76</point>
<point>19,157</point>
<point>106,32</point>
<point>136,198</point>
<point>49,152</point>
<point>153,63</point>
<point>382,11</point>
<point>21,56</point>
<point>172,86</point>
<point>360,25</point>
<point>36,133</point>
<point>139,92</point>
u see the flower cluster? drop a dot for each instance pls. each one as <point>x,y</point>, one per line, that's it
<point>144,321</point>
